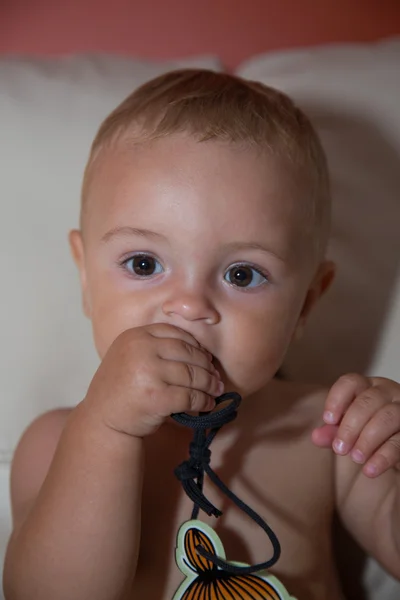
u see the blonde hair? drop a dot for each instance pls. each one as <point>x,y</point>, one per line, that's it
<point>209,105</point>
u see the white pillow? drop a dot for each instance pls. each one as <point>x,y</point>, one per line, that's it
<point>352,95</point>
<point>50,110</point>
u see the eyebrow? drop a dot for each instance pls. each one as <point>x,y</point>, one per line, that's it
<point>254,246</point>
<point>129,231</point>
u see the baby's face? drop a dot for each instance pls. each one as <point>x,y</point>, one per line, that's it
<point>205,236</point>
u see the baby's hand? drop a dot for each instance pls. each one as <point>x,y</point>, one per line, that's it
<point>149,373</point>
<point>362,416</point>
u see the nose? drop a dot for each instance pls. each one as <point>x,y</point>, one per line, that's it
<point>191,306</point>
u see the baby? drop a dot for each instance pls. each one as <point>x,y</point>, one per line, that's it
<point>201,253</point>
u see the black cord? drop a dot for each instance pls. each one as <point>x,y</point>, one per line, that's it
<point>191,475</point>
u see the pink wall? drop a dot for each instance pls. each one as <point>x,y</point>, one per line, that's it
<point>233,29</point>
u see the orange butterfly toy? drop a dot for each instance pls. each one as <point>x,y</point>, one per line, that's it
<point>205,581</point>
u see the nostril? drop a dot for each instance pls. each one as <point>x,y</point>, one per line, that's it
<point>192,307</point>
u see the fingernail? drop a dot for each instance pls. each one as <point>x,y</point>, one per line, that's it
<point>329,417</point>
<point>371,469</point>
<point>220,388</point>
<point>210,404</point>
<point>358,456</point>
<point>340,447</point>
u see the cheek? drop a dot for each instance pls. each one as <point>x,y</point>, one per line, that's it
<point>112,313</point>
<point>105,331</point>
<point>256,344</point>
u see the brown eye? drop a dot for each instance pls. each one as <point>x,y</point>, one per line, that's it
<point>143,265</point>
<point>244,276</point>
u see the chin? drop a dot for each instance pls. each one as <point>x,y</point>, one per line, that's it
<point>243,385</point>
<point>248,388</point>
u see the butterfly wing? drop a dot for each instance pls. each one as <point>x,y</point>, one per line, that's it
<point>196,591</point>
<point>247,587</point>
<point>237,587</point>
<point>193,538</point>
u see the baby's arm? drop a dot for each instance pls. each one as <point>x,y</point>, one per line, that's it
<point>77,520</point>
<point>364,430</point>
<point>370,511</point>
<point>76,530</point>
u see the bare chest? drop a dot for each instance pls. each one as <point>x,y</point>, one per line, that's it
<point>282,477</point>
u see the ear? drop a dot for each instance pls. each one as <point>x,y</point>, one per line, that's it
<point>78,254</point>
<point>320,284</point>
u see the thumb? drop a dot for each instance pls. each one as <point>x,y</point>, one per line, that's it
<point>323,436</point>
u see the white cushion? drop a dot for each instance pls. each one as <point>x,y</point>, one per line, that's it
<point>352,95</point>
<point>50,110</point>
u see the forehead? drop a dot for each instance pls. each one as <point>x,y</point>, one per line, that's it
<point>181,183</point>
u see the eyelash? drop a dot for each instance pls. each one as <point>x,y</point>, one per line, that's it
<point>123,265</point>
<point>259,271</point>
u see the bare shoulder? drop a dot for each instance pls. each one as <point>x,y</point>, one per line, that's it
<point>32,459</point>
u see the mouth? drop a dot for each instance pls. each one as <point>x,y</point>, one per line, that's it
<point>217,365</point>
<point>215,362</point>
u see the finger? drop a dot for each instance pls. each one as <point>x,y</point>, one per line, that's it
<point>386,457</point>
<point>324,436</point>
<point>189,376</point>
<point>181,399</point>
<point>383,425</point>
<point>181,351</point>
<point>388,386</point>
<point>341,395</point>
<point>361,411</point>
<point>165,330</point>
